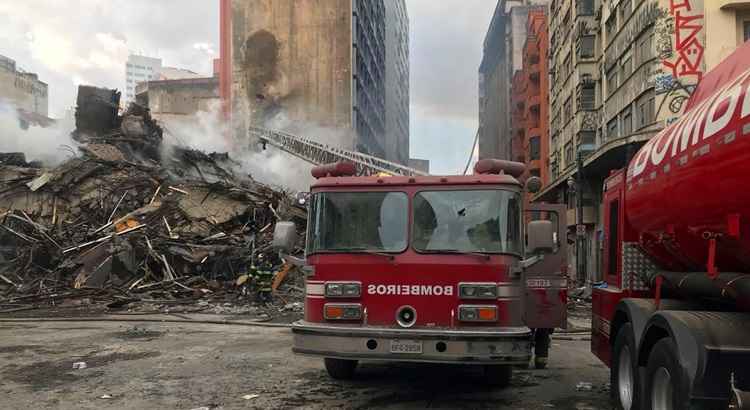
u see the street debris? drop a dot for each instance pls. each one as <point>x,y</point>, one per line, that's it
<point>131,221</point>
<point>584,386</point>
<point>79,365</point>
<point>250,396</point>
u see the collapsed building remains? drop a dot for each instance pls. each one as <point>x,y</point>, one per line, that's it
<point>128,218</point>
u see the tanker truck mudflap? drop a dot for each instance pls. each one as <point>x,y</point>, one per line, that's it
<point>545,287</point>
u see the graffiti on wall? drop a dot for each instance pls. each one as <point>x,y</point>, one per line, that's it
<point>687,60</point>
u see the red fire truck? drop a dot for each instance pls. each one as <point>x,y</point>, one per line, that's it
<point>672,321</point>
<point>429,269</point>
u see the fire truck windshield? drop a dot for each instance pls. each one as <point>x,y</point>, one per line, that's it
<point>486,221</point>
<point>358,222</point>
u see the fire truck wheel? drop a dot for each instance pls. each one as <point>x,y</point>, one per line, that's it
<point>667,387</point>
<point>340,369</point>
<point>498,375</point>
<point>624,370</point>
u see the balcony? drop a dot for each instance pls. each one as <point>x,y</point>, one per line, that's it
<point>534,72</point>
<point>733,4</point>
<point>534,102</point>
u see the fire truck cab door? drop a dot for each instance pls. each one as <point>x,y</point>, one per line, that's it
<point>545,289</point>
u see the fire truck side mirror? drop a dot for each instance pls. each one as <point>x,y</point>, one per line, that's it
<point>541,237</point>
<point>284,236</point>
<point>534,184</point>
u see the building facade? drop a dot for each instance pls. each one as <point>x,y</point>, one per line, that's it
<point>303,65</point>
<point>179,100</point>
<point>620,71</point>
<point>530,99</point>
<point>396,138</point>
<point>502,58</point>
<point>23,90</point>
<point>139,69</point>
<point>494,93</point>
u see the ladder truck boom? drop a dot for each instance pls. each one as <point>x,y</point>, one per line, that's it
<point>317,153</point>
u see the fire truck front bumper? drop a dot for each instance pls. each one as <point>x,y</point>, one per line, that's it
<point>500,345</point>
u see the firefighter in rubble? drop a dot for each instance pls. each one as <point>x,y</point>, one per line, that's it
<point>263,277</point>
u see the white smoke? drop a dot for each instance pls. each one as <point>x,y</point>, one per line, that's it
<point>51,145</point>
<point>208,132</point>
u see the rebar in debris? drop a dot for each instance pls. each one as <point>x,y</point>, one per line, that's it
<point>112,215</point>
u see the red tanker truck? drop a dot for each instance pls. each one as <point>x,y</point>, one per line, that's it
<point>440,269</point>
<point>672,321</point>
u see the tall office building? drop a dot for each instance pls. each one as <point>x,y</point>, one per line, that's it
<point>309,66</point>
<point>396,137</point>
<point>139,69</point>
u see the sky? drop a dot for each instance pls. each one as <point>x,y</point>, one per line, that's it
<point>76,42</point>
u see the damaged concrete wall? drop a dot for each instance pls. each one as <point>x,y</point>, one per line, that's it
<point>292,62</point>
<point>173,99</point>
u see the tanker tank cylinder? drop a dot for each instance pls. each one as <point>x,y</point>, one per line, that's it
<point>728,288</point>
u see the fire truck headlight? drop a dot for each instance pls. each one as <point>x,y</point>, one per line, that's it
<point>468,313</point>
<point>342,311</point>
<point>477,290</point>
<point>343,290</point>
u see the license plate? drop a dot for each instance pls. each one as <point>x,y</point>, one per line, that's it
<point>406,346</point>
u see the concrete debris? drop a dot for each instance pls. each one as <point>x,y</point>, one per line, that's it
<point>79,365</point>
<point>132,221</point>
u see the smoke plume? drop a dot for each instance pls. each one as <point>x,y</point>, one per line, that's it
<point>208,132</point>
<point>50,146</point>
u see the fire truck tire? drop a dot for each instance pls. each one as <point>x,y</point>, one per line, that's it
<point>340,369</point>
<point>624,371</point>
<point>667,386</point>
<point>498,375</point>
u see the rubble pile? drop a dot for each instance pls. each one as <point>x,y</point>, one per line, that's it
<point>129,219</point>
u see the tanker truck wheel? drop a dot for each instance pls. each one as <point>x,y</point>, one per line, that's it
<point>498,375</point>
<point>624,370</point>
<point>340,369</point>
<point>667,386</point>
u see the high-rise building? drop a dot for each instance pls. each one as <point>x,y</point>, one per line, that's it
<point>21,89</point>
<point>621,71</point>
<point>494,93</point>
<point>502,57</point>
<point>139,69</point>
<point>529,98</point>
<point>396,136</point>
<point>308,66</point>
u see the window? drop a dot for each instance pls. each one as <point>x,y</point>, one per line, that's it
<point>627,122</point>
<point>626,8</point>
<point>645,45</point>
<point>535,149</point>
<point>611,26</point>
<point>585,7</point>
<point>746,28</point>
<point>358,222</point>
<point>567,110</point>
<point>646,110</point>
<point>627,65</point>
<point>614,236</point>
<point>569,158</point>
<point>467,221</point>
<point>588,97</point>
<point>587,137</point>
<point>586,49</point>
<point>612,80</point>
<point>612,129</point>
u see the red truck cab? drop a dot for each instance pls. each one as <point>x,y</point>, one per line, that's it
<point>428,269</point>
